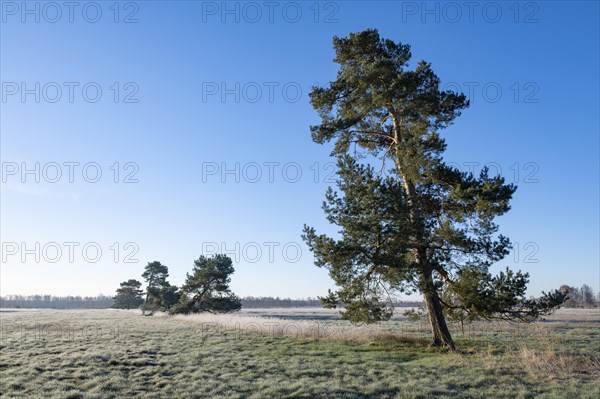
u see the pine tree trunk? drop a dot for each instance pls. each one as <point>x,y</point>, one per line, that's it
<point>437,321</point>
<point>439,329</point>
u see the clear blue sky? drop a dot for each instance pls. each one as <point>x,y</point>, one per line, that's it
<point>224,85</point>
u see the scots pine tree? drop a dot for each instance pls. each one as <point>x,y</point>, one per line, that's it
<point>413,223</point>
<point>206,289</point>
<point>160,294</point>
<point>129,296</point>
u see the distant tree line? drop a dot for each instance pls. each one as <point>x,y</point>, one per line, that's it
<point>270,302</point>
<point>137,299</point>
<point>277,302</point>
<point>56,302</point>
<point>582,297</point>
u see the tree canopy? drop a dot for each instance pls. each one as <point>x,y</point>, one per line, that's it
<point>206,289</point>
<point>129,296</point>
<point>160,294</point>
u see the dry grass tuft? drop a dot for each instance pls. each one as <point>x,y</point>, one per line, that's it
<point>545,359</point>
<point>556,365</point>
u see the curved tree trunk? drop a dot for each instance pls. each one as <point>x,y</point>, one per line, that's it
<point>437,321</point>
<point>439,329</point>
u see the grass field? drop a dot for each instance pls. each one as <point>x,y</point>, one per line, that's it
<point>290,353</point>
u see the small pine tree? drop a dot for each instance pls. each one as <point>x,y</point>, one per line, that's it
<point>207,288</point>
<point>129,296</point>
<point>160,294</point>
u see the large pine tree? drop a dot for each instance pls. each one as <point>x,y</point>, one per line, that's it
<point>421,225</point>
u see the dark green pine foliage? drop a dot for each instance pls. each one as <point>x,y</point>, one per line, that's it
<point>129,296</point>
<point>412,223</point>
<point>476,294</point>
<point>160,294</point>
<point>169,296</point>
<point>155,274</point>
<point>206,289</point>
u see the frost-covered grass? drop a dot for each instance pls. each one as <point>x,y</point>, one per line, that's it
<point>290,353</point>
